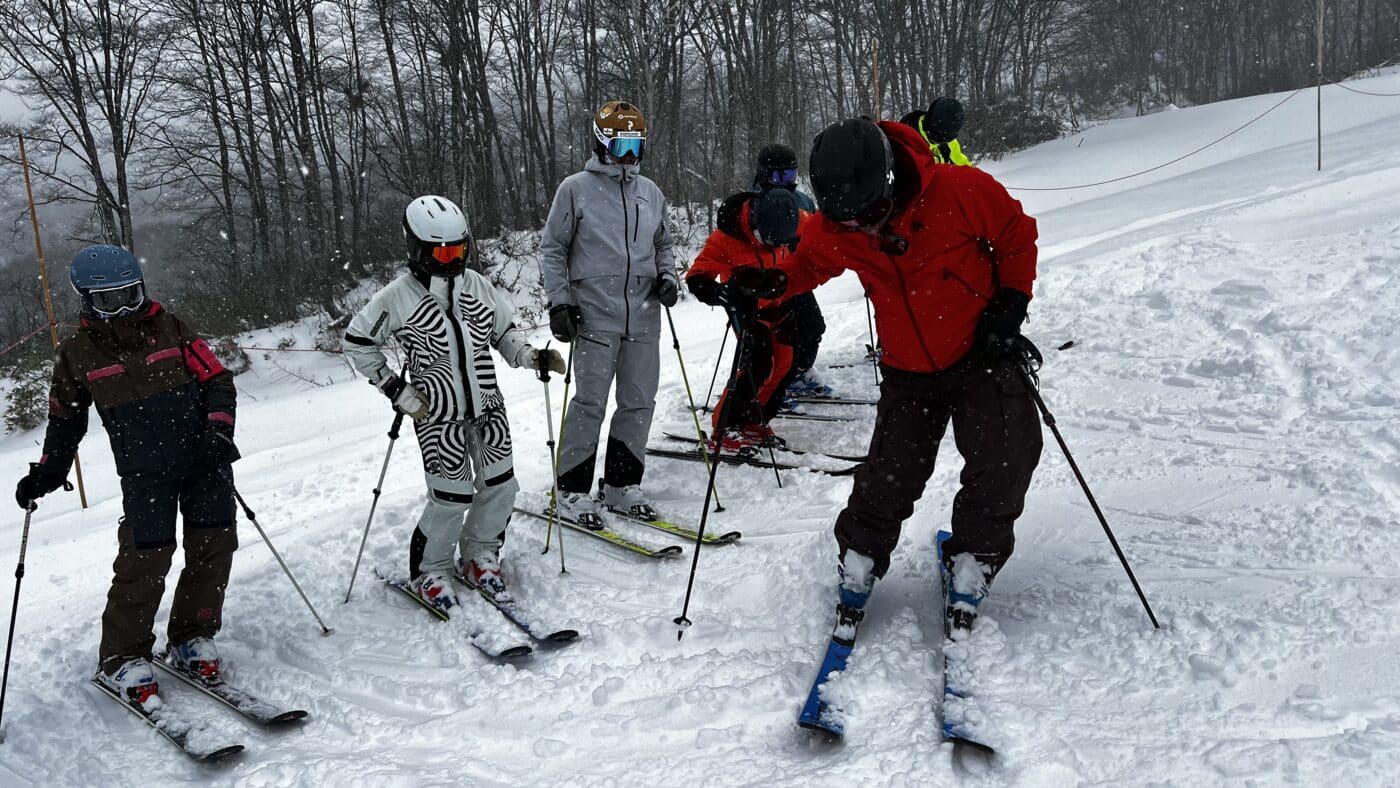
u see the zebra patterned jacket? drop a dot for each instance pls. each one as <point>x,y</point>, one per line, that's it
<point>446,330</point>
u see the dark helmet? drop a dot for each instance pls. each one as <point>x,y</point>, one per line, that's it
<point>943,121</point>
<point>777,166</point>
<point>773,217</point>
<point>109,280</point>
<point>852,170</point>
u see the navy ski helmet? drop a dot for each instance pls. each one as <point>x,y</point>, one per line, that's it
<point>109,280</point>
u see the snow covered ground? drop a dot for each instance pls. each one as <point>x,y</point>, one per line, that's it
<point>1231,396</point>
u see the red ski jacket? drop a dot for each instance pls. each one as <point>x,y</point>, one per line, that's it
<point>966,238</point>
<point>732,245</point>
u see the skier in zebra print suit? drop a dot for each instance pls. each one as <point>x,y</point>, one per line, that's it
<point>447,318</point>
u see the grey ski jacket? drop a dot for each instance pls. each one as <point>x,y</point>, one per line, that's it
<point>605,245</point>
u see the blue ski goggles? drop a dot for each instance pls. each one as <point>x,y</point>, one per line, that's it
<point>621,147</point>
<point>783,177</point>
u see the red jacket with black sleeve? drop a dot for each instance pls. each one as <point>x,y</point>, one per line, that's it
<point>155,383</point>
<point>955,239</point>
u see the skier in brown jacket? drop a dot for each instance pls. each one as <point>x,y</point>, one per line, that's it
<point>168,406</point>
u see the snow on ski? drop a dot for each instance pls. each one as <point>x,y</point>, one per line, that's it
<point>611,537</point>
<point>521,618</point>
<point>477,635</point>
<point>822,712</point>
<point>251,707</point>
<point>958,726</point>
<point>176,729</point>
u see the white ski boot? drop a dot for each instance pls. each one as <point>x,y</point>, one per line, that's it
<point>483,573</point>
<point>580,508</point>
<point>134,682</point>
<point>435,589</point>
<point>627,500</point>
<point>197,657</point>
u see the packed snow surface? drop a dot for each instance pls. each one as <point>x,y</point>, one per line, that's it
<point>1231,396</point>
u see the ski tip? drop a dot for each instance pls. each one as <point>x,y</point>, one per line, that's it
<point>515,652</point>
<point>730,538</point>
<point>562,636</point>
<point>289,716</point>
<point>220,754</point>
<point>670,551</point>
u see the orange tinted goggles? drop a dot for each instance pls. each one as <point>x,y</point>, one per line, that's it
<point>450,253</point>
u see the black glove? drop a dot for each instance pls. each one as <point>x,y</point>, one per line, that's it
<point>706,289</point>
<point>216,447</point>
<point>667,292</point>
<point>758,282</point>
<point>1000,323</point>
<point>407,399</point>
<point>36,484</point>
<point>563,322</point>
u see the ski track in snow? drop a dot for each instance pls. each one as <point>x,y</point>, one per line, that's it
<point>1231,397</point>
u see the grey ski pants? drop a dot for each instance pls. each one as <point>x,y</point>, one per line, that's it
<point>470,474</point>
<point>599,359</point>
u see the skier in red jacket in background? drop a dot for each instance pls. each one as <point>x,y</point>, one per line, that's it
<point>738,269</point>
<point>948,258</point>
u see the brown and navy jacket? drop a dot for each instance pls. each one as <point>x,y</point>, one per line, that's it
<point>156,385</point>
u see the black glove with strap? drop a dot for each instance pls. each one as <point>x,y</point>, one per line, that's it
<point>706,289</point>
<point>36,484</point>
<point>564,320</point>
<point>757,282</point>
<point>1000,324</point>
<point>667,292</point>
<point>216,447</point>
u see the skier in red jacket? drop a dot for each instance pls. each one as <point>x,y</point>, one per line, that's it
<point>948,258</point>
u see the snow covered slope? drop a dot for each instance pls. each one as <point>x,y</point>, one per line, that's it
<point>1232,397</point>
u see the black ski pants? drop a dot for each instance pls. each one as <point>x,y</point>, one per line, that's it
<point>145,547</point>
<point>996,428</point>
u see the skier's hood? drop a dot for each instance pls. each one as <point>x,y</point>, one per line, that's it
<point>622,173</point>
<point>732,219</point>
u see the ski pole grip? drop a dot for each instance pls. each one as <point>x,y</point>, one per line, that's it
<point>394,428</point>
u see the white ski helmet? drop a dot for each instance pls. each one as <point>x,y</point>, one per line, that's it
<point>439,239</point>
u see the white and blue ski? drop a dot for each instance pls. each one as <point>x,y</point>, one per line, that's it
<point>957,729</point>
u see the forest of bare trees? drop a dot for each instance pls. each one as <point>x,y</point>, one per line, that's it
<point>266,146</point>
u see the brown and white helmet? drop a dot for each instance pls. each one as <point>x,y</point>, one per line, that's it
<point>620,130</point>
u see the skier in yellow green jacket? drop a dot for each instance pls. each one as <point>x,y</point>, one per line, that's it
<point>940,126</point>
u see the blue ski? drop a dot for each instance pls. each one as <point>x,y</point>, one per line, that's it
<point>820,713</point>
<point>955,730</point>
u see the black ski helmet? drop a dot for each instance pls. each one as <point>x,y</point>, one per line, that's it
<point>773,217</point>
<point>943,121</point>
<point>852,170</point>
<point>776,158</point>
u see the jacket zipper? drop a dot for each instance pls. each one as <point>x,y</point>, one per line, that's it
<point>461,352</point>
<point>626,283</point>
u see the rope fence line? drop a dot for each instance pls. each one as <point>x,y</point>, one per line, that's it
<point>1338,83</point>
<point>1182,157</point>
<point>36,332</point>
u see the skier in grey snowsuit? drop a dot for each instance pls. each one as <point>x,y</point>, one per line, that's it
<point>607,265</point>
<point>447,318</point>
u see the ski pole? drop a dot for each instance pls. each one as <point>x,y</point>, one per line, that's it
<point>252,518</point>
<point>393,436</point>
<point>710,392</point>
<point>682,622</point>
<point>870,327</point>
<point>1027,364</point>
<point>14,609</point>
<point>699,433</point>
<point>553,460</point>
<point>554,455</point>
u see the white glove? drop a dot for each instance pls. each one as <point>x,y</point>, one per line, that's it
<point>406,399</point>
